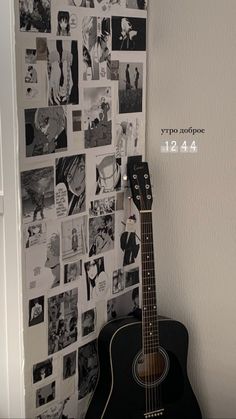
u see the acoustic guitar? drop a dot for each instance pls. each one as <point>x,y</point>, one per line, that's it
<point>143,362</point>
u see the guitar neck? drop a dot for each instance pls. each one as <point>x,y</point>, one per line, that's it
<point>149,298</point>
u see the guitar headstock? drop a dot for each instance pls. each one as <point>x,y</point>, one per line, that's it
<point>139,178</point>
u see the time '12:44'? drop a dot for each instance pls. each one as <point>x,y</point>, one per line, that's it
<point>172,146</point>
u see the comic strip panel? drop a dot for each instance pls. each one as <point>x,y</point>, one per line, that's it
<point>97,116</point>
<point>37,194</point>
<point>88,368</point>
<point>35,15</point>
<point>124,305</point>
<point>96,279</point>
<point>72,271</point>
<point>63,72</point>
<point>69,365</point>
<point>46,394</point>
<point>130,87</point>
<point>42,370</point>
<point>36,311</point>
<point>70,185</point>
<point>129,137</point>
<point>43,261</point>
<point>45,130</point>
<point>118,281</point>
<point>88,320</point>
<point>35,234</point>
<point>62,320</point>
<point>108,174</point>
<point>102,206</point>
<point>63,410</point>
<point>131,277</point>
<point>137,4</point>
<point>101,234</point>
<point>128,34</point>
<point>96,35</point>
<point>74,237</point>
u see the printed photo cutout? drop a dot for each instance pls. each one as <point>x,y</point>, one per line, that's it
<point>45,130</point>
<point>96,35</point>
<point>137,4</point>
<point>37,194</point>
<point>118,281</point>
<point>88,368</point>
<point>35,15</point>
<point>63,72</point>
<point>96,279</point>
<point>46,394</point>
<point>97,116</point>
<point>42,370</point>
<point>62,320</point>
<point>43,261</point>
<point>131,87</point>
<point>124,305</point>
<point>74,237</point>
<point>129,242</point>
<point>128,137</point>
<point>88,322</point>
<point>72,272</point>
<point>108,174</point>
<point>102,206</point>
<point>36,311</point>
<point>128,34</point>
<point>35,234</point>
<point>132,277</point>
<point>70,185</point>
<point>69,365</point>
<point>61,410</point>
<point>30,56</point>
<point>101,234</point>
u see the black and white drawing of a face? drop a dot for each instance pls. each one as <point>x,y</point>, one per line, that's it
<point>92,269</point>
<point>76,177</point>
<point>50,121</point>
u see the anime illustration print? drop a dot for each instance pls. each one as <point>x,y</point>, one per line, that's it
<point>61,410</point>
<point>132,277</point>
<point>88,368</point>
<point>108,174</point>
<point>72,271</point>
<point>63,72</point>
<point>35,234</point>
<point>70,179</point>
<point>96,34</point>
<point>128,34</point>
<point>123,305</point>
<point>69,365</point>
<point>62,320</point>
<point>137,4</point>
<point>127,137</point>
<point>97,116</point>
<point>128,244</point>
<point>37,194</point>
<point>30,56</point>
<point>45,394</point>
<point>36,311</point>
<point>130,87</point>
<point>42,370</point>
<point>35,15</point>
<point>45,130</point>
<point>74,237</point>
<point>96,279</point>
<point>101,234</point>
<point>102,206</point>
<point>118,283</point>
<point>88,319</point>
<point>63,23</point>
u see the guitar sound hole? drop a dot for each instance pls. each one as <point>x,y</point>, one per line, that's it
<point>151,369</point>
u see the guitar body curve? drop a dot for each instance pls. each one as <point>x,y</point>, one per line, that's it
<point>119,394</point>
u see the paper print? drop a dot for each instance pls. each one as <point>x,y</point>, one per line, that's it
<point>74,237</point>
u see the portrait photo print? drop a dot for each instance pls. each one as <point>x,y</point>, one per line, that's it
<point>45,130</point>
<point>128,34</point>
<point>130,87</point>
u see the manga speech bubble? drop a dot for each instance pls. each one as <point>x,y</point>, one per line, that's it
<point>61,200</point>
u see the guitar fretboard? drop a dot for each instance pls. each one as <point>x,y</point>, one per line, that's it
<point>149,309</point>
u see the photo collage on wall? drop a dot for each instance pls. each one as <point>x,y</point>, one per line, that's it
<point>81,68</point>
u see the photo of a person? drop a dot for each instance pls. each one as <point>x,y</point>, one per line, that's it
<point>63,72</point>
<point>63,23</point>
<point>35,15</point>
<point>36,311</point>
<point>130,87</point>
<point>128,34</point>
<point>42,370</point>
<point>53,258</point>
<point>31,75</point>
<point>95,275</point>
<point>71,172</point>
<point>72,271</point>
<point>108,174</point>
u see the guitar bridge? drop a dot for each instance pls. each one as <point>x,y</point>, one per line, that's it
<point>154,414</point>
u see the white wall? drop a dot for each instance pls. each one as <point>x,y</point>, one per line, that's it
<point>11,341</point>
<point>192,82</point>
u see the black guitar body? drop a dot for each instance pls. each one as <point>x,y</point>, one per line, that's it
<point>119,393</point>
